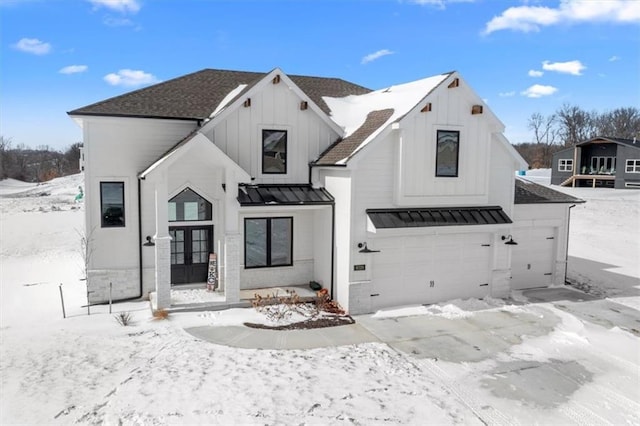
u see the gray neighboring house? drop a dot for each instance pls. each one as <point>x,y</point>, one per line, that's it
<point>598,162</point>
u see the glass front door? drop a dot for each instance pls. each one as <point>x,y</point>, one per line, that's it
<point>190,248</point>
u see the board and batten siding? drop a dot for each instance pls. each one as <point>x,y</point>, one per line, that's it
<point>276,107</point>
<point>451,110</point>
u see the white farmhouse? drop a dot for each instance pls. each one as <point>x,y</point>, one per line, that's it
<point>397,196</point>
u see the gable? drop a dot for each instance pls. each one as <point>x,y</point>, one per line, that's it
<point>196,96</point>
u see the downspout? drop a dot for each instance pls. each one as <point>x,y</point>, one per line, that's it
<point>566,256</point>
<point>333,245</point>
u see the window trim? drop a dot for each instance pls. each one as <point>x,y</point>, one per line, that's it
<point>457,132</point>
<point>632,165</point>
<point>268,242</point>
<point>565,165</point>
<point>286,151</point>
<point>103,224</point>
<point>210,205</point>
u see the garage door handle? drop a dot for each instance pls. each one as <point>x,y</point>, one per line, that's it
<point>550,238</point>
<point>548,273</point>
<point>375,294</point>
<point>486,245</point>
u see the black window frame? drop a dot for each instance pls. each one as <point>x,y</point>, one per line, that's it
<point>632,165</point>
<point>286,149</point>
<point>565,165</point>
<point>208,207</point>
<point>269,262</point>
<point>457,170</point>
<point>103,214</point>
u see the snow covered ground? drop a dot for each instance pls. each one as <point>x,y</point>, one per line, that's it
<point>90,370</point>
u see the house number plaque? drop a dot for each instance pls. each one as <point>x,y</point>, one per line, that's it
<point>359,267</point>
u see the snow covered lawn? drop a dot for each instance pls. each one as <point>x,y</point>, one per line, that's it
<point>90,370</point>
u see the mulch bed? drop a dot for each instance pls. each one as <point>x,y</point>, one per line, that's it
<point>331,321</point>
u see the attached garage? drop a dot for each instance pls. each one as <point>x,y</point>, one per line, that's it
<point>541,221</point>
<point>425,266</point>
<point>533,259</point>
<point>430,268</point>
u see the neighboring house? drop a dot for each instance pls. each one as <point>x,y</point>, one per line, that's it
<point>397,196</point>
<point>601,161</point>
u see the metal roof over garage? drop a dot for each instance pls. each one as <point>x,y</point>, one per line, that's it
<point>440,216</point>
<point>265,195</point>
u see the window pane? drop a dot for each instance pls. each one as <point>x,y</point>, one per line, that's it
<point>188,205</point>
<point>447,153</point>
<point>281,241</point>
<point>274,151</point>
<point>112,204</point>
<point>180,259</point>
<point>255,245</point>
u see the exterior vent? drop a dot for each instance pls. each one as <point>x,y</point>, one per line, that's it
<point>476,109</point>
<point>247,103</point>
<point>426,108</point>
<point>276,79</point>
<point>454,83</point>
<point>304,105</point>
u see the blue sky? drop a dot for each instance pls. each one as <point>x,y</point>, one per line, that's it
<point>521,57</point>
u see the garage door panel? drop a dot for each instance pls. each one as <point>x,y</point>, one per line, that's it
<point>532,260</point>
<point>405,268</point>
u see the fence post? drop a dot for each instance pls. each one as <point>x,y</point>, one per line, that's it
<point>64,314</point>
<point>110,292</point>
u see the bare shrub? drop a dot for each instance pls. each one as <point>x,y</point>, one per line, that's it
<point>160,314</point>
<point>123,318</point>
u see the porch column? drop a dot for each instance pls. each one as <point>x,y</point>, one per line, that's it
<point>163,244</point>
<point>232,239</point>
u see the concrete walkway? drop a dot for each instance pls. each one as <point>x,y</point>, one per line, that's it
<point>470,339</point>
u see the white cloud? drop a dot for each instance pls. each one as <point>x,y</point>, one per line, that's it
<point>130,78</point>
<point>73,69</point>
<point>538,91</point>
<point>531,18</point>
<point>614,58</point>
<point>506,94</point>
<point>569,67</point>
<point>535,73</point>
<point>376,55</point>
<point>110,21</point>
<point>441,4</point>
<point>123,6</point>
<point>33,45</point>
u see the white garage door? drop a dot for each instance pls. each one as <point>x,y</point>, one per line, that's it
<point>532,262</point>
<point>430,269</point>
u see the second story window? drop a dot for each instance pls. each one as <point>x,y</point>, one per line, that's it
<point>274,151</point>
<point>448,146</point>
<point>188,206</point>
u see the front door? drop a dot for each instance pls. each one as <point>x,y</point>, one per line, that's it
<point>190,248</point>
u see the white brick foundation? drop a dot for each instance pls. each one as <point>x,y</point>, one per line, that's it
<point>163,272</point>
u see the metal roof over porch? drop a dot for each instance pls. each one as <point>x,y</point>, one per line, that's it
<point>263,195</point>
<point>440,216</point>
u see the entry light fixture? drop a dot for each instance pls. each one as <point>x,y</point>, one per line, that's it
<point>149,243</point>
<point>509,241</point>
<point>364,249</point>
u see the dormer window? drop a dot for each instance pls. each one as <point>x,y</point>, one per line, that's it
<point>274,151</point>
<point>189,206</point>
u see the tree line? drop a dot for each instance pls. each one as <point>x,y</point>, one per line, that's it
<point>571,124</point>
<point>38,164</point>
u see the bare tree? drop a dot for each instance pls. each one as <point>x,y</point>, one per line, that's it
<point>621,123</point>
<point>546,133</point>
<point>5,147</point>
<point>576,124</point>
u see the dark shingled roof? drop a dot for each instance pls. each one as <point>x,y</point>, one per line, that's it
<point>528,192</point>
<point>261,195</point>
<point>438,216</point>
<point>622,141</point>
<point>345,147</point>
<point>195,96</point>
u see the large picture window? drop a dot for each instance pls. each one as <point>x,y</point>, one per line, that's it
<point>112,204</point>
<point>268,242</point>
<point>274,151</point>
<point>448,147</point>
<point>188,206</point>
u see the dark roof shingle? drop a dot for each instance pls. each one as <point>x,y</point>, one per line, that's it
<point>437,216</point>
<point>528,192</point>
<point>195,96</point>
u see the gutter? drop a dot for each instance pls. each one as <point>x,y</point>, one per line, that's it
<point>566,256</point>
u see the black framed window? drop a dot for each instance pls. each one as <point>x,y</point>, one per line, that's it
<point>268,242</point>
<point>112,204</point>
<point>187,206</point>
<point>274,151</point>
<point>448,148</point>
<point>565,165</point>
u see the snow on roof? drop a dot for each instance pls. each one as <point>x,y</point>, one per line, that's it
<point>230,96</point>
<point>350,112</point>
